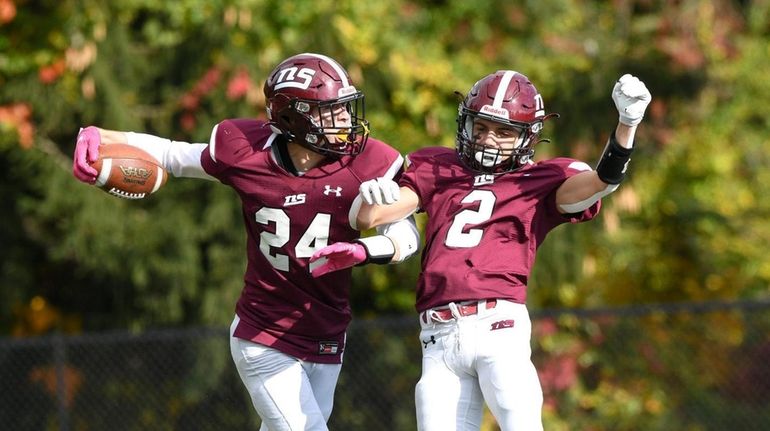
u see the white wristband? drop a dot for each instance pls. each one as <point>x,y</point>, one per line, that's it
<point>405,238</point>
<point>379,249</point>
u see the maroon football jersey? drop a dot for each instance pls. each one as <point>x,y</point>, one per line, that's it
<point>483,230</point>
<point>287,218</point>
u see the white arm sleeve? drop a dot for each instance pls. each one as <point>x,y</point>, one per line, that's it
<point>180,159</point>
<point>405,237</point>
<point>586,203</point>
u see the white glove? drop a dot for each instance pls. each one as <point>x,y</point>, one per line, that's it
<point>379,190</point>
<point>631,98</point>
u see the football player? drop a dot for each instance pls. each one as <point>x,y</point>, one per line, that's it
<point>298,177</point>
<point>489,207</point>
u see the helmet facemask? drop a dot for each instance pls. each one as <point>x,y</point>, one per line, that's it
<point>507,102</point>
<point>490,159</point>
<point>315,125</point>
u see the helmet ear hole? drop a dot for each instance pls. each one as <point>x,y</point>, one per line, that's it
<point>469,126</point>
<point>292,124</point>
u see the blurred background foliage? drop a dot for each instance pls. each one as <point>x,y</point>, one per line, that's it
<point>689,223</point>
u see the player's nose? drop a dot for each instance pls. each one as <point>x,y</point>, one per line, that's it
<point>489,139</point>
<point>344,118</point>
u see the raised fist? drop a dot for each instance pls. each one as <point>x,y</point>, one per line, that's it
<point>631,98</point>
<point>380,190</point>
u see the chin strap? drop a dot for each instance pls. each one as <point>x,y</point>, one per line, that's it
<point>281,153</point>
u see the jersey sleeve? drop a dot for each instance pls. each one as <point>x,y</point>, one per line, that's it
<point>418,174</point>
<point>231,141</point>
<point>563,168</point>
<point>387,162</point>
<point>378,160</point>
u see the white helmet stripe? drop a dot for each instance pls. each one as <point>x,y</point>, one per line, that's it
<point>503,88</point>
<point>336,66</point>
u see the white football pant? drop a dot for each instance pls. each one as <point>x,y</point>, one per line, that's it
<point>287,393</point>
<point>471,359</point>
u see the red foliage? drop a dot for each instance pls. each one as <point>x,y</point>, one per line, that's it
<point>52,72</point>
<point>559,372</point>
<point>205,85</point>
<point>649,353</point>
<point>190,101</point>
<point>239,84</point>
<point>209,80</point>
<point>18,115</point>
<point>48,378</point>
<point>187,121</point>
<point>751,381</point>
<point>680,39</point>
<point>545,327</point>
<point>7,11</point>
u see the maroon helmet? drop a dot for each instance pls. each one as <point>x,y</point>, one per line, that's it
<point>505,97</point>
<point>307,84</point>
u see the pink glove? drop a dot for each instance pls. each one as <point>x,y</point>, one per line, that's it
<point>339,255</point>
<point>86,151</point>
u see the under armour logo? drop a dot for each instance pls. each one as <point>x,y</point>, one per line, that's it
<point>480,180</point>
<point>432,340</point>
<point>329,190</point>
<point>502,325</point>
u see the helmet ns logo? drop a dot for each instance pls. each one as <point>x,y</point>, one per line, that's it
<point>293,77</point>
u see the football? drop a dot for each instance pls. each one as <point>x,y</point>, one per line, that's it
<point>128,172</point>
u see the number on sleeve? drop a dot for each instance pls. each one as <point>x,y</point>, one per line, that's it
<point>455,236</point>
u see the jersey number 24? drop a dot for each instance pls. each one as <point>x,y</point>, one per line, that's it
<point>316,236</point>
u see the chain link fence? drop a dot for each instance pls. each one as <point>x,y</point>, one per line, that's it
<point>664,367</point>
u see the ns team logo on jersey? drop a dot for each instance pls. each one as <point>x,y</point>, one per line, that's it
<point>480,180</point>
<point>298,199</point>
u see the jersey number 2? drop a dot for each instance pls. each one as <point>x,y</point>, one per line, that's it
<point>316,236</point>
<point>456,236</point>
